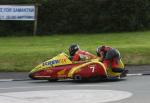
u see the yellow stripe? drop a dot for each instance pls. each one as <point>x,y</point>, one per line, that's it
<point>73,70</point>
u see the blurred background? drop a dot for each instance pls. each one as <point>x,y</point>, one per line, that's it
<point>81,16</point>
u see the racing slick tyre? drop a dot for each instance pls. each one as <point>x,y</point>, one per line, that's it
<point>77,77</point>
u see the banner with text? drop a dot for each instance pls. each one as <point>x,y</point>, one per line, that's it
<point>17,12</point>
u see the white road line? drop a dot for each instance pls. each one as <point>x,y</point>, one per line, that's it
<point>64,96</point>
<point>136,74</point>
<point>23,87</point>
<point>6,80</point>
<point>52,86</point>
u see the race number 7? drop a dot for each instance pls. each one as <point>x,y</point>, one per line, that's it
<point>93,69</point>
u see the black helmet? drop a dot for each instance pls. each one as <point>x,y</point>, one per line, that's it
<point>99,49</point>
<point>73,48</point>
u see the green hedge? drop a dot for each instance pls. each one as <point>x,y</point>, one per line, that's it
<point>84,16</point>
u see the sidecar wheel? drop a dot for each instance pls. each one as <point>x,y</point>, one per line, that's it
<point>77,78</point>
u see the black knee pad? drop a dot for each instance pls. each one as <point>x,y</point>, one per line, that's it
<point>117,70</point>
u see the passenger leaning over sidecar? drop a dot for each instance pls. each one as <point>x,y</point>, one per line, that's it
<point>76,54</point>
<point>111,58</point>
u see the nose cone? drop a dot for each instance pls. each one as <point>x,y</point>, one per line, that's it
<point>31,75</point>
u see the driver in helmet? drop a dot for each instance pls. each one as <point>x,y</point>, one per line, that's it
<point>76,54</point>
<point>110,58</point>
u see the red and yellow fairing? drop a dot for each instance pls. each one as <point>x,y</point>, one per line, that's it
<point>89,69</point>
<point>61,59</point>
<point>61,67</point>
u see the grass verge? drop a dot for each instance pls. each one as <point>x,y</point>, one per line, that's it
<point>24,53</point>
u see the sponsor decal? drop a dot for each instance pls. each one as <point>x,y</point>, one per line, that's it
<point>48,63</point>
<point>17,12</point>
<point>63,61</point>
<point>92,67</point>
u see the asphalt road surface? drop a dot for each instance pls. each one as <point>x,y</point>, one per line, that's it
<point>134,89</point>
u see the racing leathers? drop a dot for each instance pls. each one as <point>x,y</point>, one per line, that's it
<point>111,59</point>
<point>82,55</point>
